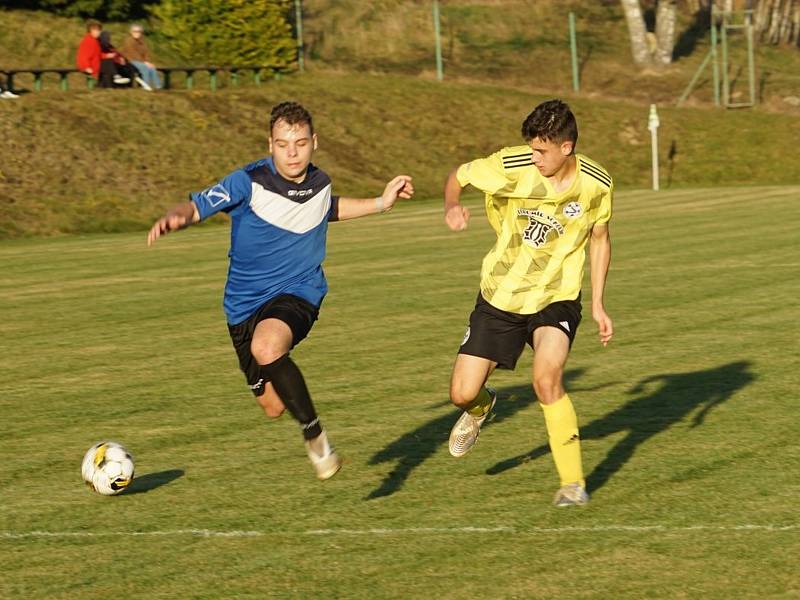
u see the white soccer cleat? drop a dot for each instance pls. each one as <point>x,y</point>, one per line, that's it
<point>571,494</point>
<point>465,432</point>
<point>143,84</point>
<point>327,463</point>
<point>119,79</point>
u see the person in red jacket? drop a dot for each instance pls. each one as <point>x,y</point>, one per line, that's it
<point>89,49</point>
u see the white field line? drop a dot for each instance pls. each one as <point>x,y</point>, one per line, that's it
<point>210,533</point>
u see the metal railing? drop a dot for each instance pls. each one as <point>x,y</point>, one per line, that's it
<point>236,75</point>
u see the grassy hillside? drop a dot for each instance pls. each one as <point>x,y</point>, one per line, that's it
<point>112,160</point>
<point>525,43</point>
<point>521,43</point>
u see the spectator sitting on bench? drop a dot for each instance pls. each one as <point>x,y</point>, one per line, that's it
<point>88,58</point>
<point>136,51</point>
<point>114,69</point>
<point>5,91</point>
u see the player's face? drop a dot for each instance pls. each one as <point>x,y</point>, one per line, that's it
<point>95,32</point>
<point>550,157</point>
<point>291,147</point>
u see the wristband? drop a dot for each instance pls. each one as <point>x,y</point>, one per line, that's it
<point>379,205</point>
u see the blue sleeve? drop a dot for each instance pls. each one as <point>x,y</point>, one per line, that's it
<point>229,193</point>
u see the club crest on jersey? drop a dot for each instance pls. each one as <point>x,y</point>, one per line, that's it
<point>216,195</point>
<point>573,210</point>
<point>539,227</point>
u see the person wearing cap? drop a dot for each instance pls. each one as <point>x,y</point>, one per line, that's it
<point>136,51</point>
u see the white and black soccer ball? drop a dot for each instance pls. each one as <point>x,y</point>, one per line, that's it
<point>107,468</point>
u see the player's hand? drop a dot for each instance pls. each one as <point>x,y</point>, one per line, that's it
<point>604,324</point>
<point>165,225</point>
<point>399,187</point>
<point>457,217</point>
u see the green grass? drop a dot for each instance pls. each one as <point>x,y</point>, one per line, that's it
<point>109,161</point>
<point>688,420</point>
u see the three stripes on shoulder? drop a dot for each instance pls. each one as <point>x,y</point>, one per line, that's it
<point>513,161</point>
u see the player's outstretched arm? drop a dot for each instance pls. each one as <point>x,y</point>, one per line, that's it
<point>600,259</point>
<point>455,215</point>
<point>399,187</point>
<point>179,216</point>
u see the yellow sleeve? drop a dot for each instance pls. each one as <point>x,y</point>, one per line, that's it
<point>604,210</point>
<point>486,174</point>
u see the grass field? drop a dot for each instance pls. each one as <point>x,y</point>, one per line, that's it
<point>689,420</point>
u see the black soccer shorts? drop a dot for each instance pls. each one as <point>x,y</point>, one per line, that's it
<point>500,336</point>
<point>297,313</point>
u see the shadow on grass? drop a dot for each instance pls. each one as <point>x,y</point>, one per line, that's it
<point>413,448</point>
<point>677,395</point>
<point>150,481</point>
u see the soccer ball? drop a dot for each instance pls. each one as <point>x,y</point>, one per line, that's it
<point>107,468</point>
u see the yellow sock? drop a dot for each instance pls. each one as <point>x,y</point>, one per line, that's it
<point>565,443</point>
<point>481,404</point>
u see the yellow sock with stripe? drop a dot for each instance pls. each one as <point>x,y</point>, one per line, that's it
<point>481,404</point>
<point>565,443</point>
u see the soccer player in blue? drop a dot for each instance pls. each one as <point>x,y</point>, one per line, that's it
<point>279,208</point>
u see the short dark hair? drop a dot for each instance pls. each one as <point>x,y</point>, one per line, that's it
<point>93,24</point>
<point>291,112</point>
<point>551,121</point>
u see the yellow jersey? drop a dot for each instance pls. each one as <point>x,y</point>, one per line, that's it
<point>541,234</point>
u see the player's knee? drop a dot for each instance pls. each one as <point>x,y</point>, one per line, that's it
<point>266,351</point>
<point>548,387</point>
<point>460,396</point>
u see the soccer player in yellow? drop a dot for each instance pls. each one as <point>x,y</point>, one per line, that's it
<point>544,202</point>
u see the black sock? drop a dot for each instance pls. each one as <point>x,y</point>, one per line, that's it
<point>288,381</point>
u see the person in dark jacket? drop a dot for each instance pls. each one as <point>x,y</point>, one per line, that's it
<point>114,68</point>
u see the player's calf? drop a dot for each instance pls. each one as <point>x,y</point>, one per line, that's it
<point>290,386</point>
<point>271,403</point>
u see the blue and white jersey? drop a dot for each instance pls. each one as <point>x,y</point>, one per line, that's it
<point>278,234</point>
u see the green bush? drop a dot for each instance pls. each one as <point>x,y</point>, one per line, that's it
<point>228,31</point>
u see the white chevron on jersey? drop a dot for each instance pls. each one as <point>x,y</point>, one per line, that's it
<point>287,214</point>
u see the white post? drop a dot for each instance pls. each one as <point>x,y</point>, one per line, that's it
<point>652,125</point>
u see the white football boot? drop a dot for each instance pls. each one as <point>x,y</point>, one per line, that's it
<point>327,463</point>
<point>465,432</point>
<point>571,494</point>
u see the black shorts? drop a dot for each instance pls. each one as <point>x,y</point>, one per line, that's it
<point>297,313</point>
<point>501,336</point>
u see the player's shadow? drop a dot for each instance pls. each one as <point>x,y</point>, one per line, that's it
<point>652,411</point>
<point>142,484</point>
<point>413,448</point>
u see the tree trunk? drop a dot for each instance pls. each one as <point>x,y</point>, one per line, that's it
<point>665,31</point>
<point>637,31</point>
<point>778,21</point>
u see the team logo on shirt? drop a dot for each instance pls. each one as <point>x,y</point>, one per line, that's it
<point>216,195</point>
<point>539,227</point>
<point>573,210</point>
